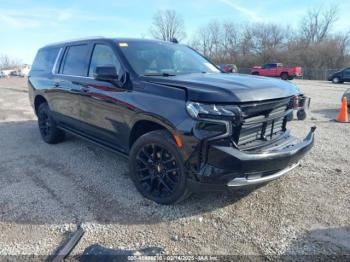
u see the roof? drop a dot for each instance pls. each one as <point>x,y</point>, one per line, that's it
<point>102,38</point>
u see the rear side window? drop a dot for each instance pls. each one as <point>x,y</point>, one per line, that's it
<point>75,61</point>
<point>45,59</point>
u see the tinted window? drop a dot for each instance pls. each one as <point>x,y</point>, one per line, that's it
<point>45,59</point>
<point>103,55</point>
<point>270,66</point>
<point>75,61</point>
<point>158,58</point>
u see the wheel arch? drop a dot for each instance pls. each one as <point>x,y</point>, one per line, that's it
<point>39,99</point>
<point>147,123</point>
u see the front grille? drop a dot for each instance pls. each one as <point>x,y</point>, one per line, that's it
<point>263,122</point>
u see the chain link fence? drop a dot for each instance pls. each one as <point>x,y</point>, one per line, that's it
<point>308,73</point>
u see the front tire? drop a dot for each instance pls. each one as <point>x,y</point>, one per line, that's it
<point>336,80</point>
<point>49,131</point>
<point>157,168</point>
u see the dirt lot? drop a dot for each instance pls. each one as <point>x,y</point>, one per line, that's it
<point>47,190</point>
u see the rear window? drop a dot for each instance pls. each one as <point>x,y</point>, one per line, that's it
<point>75,62</point>
<point>45,59</point>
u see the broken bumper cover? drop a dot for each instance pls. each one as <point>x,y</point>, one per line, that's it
<point>230,167</point>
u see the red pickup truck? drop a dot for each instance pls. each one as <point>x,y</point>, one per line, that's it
<point>277,70</point>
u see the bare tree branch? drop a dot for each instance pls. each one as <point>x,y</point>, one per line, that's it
<point>317,23</point>
<point>167,25</point>
<point>7,62</point>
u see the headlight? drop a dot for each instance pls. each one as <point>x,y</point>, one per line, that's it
<point>213,111</point>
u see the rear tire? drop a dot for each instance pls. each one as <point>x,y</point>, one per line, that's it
<point>284,76</point>
<point>157,168</point>
<point>255,73</point>
<point>49,131</point>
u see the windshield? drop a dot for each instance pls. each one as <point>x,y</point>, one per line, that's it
<point>162,58</point>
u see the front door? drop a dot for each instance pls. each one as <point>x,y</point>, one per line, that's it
<point>101,107</point>
<point>346,74</point>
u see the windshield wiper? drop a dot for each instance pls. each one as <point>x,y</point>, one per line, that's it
<point>163,74</point>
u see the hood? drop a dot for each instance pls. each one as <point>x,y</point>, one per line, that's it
<point>335,73</point>
<point>228,88</point>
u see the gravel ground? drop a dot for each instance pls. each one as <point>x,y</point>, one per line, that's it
<point>47,190</point>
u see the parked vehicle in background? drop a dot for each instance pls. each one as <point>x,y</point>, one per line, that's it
<point>347,95</point>
<point>228,68</point>
<point>340,76</point>
<point>277,70</point>
<point>185,125</point>
<point>6,72</point>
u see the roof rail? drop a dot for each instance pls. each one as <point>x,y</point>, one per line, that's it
<point>76,40</point>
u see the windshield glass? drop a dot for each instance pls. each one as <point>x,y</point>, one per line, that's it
<point>161,58</point>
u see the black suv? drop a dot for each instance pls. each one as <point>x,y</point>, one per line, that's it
<point>185,126</point>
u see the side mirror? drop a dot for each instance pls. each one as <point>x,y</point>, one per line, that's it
<point>105,73</point>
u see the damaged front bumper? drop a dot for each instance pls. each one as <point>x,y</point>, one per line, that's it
<point>230,167</point>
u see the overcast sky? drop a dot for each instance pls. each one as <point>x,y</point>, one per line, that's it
<point>27,25</point>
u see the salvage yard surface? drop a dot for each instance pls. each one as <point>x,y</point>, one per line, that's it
<point>47,190</point>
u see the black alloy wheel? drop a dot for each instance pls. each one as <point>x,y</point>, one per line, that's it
<point>49,131</point>
<point>157,169</point>
<point>44,124</point>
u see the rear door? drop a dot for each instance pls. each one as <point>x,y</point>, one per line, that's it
<point>102,108</point>
<point>69,83</point>
<point>40,76</point>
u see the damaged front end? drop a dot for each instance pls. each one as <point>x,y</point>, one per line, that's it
<point>238,145</point>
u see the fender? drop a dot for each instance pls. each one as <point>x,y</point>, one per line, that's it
<point>143,116</point>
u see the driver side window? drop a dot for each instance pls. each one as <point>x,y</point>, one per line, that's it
<point>103,55</point>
